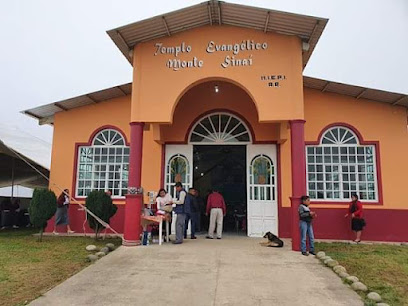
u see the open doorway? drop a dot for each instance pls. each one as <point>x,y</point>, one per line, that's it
<point>223,168</point>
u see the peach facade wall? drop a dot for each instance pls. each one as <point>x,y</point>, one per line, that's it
<point>203,99</point>
<point>157,87</point>
<point>375,121</point>
<point>76,126</point>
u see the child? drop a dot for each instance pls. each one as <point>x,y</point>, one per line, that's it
<point>305,225</point>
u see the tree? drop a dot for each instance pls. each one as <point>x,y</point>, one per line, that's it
<point>42,207</point>
<point>99,203</point>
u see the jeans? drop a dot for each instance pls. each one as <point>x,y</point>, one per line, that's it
<point>306,228</point>
<point>180,227</point>
<point>193,217</point>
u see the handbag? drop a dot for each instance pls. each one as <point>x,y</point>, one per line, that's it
<point>168,208</point>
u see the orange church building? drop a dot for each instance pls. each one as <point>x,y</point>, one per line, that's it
<point>219,100</point>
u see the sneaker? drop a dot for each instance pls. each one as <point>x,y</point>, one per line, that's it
<point>70,232</point>
<point>305,253</point>
<point>218,237</point>
<point>177,242</point>
<point>15,226</point>
<point>3,228</point>
<point>208,237</point>
<point>55,233</point>
<point>194,237</point>
<point>312,253</point>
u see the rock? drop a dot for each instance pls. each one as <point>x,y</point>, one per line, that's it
<point>344,274</point>
<point>320,254</point>
<point>352,279</point>
<point>327,261</point>
<point>105,250</point>
<point>110,246</point>
<point>359,286</point>
<point>339,269</point>
<point>92,258</point>
<point>332,263</point>
<point>382,304</point>
<point>325,258</point>
<point>374,296</point>
<point>100,254</point>
<point>91,248</point>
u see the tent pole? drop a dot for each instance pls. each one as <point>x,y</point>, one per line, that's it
<point>12,177</point>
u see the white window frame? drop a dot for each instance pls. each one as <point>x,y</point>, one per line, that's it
<point>327,160</point>
<point>262,189</point>
<point>170,184</point>
<point>218,135</point>
<point>117,156</point>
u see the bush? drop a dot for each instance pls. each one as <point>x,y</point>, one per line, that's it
<point>101,205</point>
<point>42,207</point>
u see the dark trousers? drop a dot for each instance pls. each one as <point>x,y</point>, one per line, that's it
<point>8,218</point>
<point>180,220</point>
<point>193,217</point>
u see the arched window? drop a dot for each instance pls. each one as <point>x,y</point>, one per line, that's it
<point>340,166</point>
<point>104,165</point>
<point>262,179</point>
<point>178,170</point>
<point>220,128</point>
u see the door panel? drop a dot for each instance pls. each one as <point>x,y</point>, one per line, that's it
<point>262,195</point>
<point>179,167</point>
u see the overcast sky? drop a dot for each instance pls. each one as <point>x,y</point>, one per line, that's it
<point>53,50</point>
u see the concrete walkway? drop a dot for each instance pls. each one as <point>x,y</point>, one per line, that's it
<point>232,271</point>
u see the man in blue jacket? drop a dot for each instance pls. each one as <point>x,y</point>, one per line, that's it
<point>191,204</point>
<point>180,209</point>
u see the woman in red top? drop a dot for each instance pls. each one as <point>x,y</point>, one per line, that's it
<point>356,212</point>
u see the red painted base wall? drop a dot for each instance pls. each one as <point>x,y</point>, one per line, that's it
<point>382,224</point>
<point>77,218</point>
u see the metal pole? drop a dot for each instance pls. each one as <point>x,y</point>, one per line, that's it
<point>12,177</point>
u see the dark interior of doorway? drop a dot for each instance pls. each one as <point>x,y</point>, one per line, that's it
<point>223,168</point>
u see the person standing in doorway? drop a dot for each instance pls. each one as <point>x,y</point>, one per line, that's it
<point>305,225</point>
<point>356,212</point>
<point>61,216</point>
<point>201,211</point>
<point>217,209</point>
<point>180,210</point>
<point>191,201</point>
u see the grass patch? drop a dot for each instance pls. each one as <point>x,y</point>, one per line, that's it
<point>29,268</point>
<point>383,268</point>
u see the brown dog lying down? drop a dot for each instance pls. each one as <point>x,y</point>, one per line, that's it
<point>273,241</point>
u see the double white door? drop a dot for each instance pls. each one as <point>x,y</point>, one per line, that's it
<point>262,207</point>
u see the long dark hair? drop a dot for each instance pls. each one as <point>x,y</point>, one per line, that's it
<point>61,198</point>
<point>354,195</point>
<point>162,189</point>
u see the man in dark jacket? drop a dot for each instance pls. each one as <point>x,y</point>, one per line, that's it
<point>305,225</point>
<point>191,201</point>
<point>180,209</point>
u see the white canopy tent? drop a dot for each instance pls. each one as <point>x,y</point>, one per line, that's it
<point>17,147</point>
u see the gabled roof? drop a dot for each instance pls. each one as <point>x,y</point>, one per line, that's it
<point>357,92</point>
<point>45,113</point>
<point>215,13</point>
